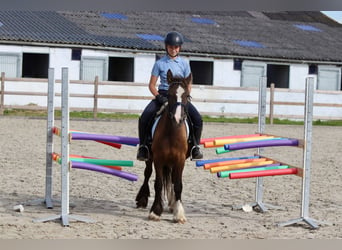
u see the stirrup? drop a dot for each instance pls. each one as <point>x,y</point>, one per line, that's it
<point>199,153</point>
<point>143,156</point>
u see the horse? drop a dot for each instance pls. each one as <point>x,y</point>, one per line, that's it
<point>169,151</point>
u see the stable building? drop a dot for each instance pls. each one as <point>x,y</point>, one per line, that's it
<point>228,49</point>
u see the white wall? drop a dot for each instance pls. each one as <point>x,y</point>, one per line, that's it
<point>224,73</point>
<point>143,64</point>
<point>10,49</point>
<point>59,58</point>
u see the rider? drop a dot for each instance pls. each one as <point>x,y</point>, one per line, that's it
<point>181,68</point>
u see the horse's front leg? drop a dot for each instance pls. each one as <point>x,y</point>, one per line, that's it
<point>144,192</point>
<point>157,206</point>
<point>178,210</point>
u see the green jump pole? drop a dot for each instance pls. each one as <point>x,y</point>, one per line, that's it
<point>221,150</point>
<point>103,162</point>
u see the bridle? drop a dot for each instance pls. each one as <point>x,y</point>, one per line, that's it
<point>172,109</point>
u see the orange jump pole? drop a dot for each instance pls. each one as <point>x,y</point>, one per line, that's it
<point>209,142</point>
<point>240,166</point>
<point>222,142</point>
<point>263,173</point>
<point>203,140</point>
<point>231,162</point>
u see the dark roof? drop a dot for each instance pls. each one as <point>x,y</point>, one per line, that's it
<point>293,35</point>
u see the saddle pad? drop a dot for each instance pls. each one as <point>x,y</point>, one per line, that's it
<point>156,123</point>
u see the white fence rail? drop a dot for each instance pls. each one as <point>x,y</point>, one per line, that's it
<point>128,97</point>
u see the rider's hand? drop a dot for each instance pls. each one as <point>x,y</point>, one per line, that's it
<point>161,99</point>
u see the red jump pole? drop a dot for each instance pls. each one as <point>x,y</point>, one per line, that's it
<point>112,144</point>
<point>263,173</point>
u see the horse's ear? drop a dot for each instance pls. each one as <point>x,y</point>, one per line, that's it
<point>169,76</point>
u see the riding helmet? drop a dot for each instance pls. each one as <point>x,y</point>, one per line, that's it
<point>174,39</point>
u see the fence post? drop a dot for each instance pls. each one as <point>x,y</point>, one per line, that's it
<point>271,102</point>
<point>96,89</point>
<point>2,97</point>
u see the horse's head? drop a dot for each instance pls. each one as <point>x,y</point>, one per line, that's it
<point>178,94</point>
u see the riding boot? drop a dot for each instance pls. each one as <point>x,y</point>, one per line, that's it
<point>196,153</point>
<point>143,151</point>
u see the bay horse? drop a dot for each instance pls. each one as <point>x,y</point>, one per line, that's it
<point>169,150</point>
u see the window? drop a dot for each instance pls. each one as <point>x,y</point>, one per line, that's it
<point>329,78</point>
<point>279,75</point>
<point>92,67</point>
<point>35,65</point>
<point>10,64</point>
<point>121,69</point>
<point>76,54</point>
<point>313,69</point>
<point>202,72</point>
<point>237,64</point>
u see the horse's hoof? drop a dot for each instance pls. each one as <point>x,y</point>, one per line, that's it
<point>143,207</point>
<point>154,217</point>
<point>141,203</point>
<point>180,220</point>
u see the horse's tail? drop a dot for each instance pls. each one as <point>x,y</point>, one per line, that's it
<point>167,180</point>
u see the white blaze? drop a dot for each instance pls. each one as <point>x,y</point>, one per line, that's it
<point>179,93</point>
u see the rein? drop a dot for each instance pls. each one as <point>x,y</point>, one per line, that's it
<point>163,107</point>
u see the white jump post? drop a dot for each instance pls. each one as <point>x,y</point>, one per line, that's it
<point>49,137</point>
<point>261,129</point>
<point>263,207</point>
<point>48,201</point>
<point>308,117</point>
<point>65,141</point>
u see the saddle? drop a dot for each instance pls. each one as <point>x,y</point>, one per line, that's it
<point>155,120</point>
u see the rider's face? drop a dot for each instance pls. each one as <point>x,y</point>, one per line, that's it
<point>172,50</point>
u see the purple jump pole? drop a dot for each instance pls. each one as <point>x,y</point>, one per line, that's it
<point>108,138</point>
<point>260,144</point>
<point>97,168</point>
<point>202,162</point>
